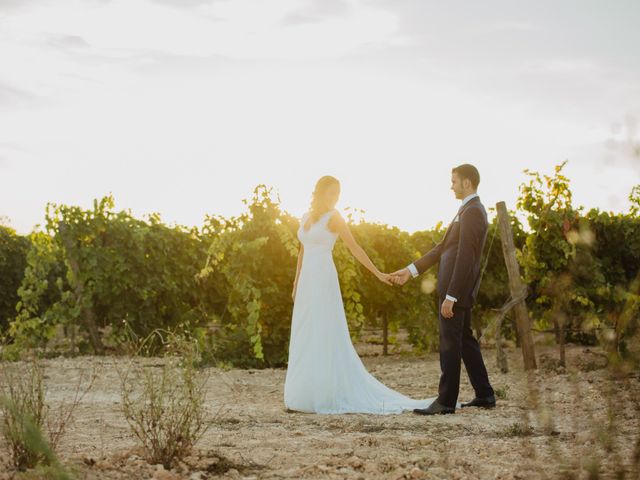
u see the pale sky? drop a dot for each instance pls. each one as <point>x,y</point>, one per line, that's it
<point>183,106</point>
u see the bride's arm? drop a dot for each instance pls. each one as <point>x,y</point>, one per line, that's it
<point>338,225</point>
<point>295,282</point>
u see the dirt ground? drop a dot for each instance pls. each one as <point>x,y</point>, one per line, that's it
<point>567,435</point>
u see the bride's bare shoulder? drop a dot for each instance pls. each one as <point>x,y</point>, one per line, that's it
<point>335,221</point>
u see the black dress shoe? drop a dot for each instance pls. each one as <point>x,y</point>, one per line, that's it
<point>434,409</point>
<point>482,402</point>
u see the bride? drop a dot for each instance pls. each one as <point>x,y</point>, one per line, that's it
<point>325,373</point>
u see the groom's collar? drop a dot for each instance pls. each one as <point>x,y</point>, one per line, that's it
<point>468,198</point>
<point>465,201</point>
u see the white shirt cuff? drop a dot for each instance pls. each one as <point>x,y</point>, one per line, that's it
<point>414,271</point>
<point>453,299</point>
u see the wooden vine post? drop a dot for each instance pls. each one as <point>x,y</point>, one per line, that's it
<point>517,289</point>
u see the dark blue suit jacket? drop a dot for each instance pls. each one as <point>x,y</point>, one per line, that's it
<point>459,254</point>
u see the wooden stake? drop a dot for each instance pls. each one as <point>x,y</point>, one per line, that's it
<point>501,357</point>
<point>516,287</point>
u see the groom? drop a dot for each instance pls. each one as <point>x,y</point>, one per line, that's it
<point>459,255</point>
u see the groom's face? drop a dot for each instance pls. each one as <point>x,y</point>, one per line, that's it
<point>456,186</point>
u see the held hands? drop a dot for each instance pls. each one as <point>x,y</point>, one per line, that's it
<point>384,278</point>
<point>401,276</point>
<point>396,278</point>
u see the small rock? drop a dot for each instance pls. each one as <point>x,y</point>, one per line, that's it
<point>162,474</point>
<point>102,465</point>
<point>438,472</point>
<point>416,473</point>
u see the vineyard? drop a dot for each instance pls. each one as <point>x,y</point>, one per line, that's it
<point>175,314</point>
<point>93,279</point>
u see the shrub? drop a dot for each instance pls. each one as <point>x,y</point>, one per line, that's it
<point>13,260</point>
<point>164,404</point>
<point>30,430</point>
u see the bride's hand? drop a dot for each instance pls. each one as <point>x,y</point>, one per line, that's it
<point>384,278</point>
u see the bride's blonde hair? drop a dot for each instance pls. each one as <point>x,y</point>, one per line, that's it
<point>318,200</point>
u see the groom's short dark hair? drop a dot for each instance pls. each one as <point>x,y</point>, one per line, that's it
<point>469,172</point>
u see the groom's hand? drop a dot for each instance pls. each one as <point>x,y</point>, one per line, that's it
<point>401,277</point>
<point>447,308</point>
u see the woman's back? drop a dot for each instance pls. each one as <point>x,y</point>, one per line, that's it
<point>325,374</point>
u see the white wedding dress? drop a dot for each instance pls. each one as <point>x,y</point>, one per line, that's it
<point>325,373</point>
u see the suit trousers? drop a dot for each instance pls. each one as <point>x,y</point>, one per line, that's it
<point>457,344</point>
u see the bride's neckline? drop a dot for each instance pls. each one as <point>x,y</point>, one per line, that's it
<point>304,225</point>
